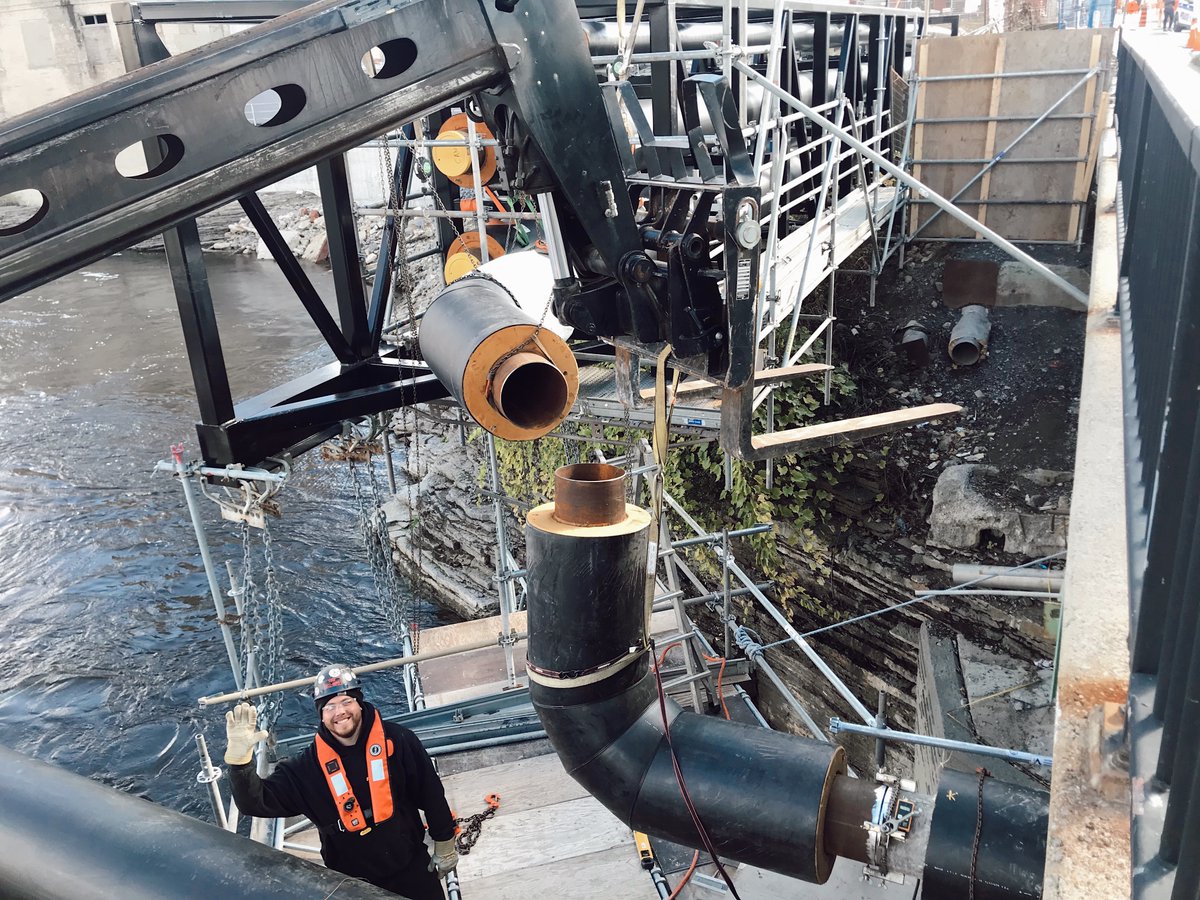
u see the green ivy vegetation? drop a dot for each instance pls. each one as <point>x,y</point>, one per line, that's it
<point>797,503</point>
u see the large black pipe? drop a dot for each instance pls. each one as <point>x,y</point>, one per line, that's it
<point>999,849</point>
<point>772,800</point>
<point>64,836</point>
<point>760,794</point>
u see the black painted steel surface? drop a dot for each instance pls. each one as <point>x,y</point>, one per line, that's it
<point>67,837</point>
<point>1158,203</point>
<point>1011,854</point>
<point>759,794</point>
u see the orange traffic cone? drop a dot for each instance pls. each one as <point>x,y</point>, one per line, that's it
<point>1142,20</point>
<point>1194,36</point>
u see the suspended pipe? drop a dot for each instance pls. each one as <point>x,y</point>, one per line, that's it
<point>514,375</point>
<point>65,836</point>
<point>773,800</point>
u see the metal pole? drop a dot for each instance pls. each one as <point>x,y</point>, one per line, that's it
<point>502,580</point>
<point>836,725</point>
<point>880,722</point>
<point>725,590</point>
<point>559,267</point>
<point>921,189</point>
<point>791,701</point>
<point>480,217</point>
<point>248,693</point>
<point>208,776</point>
<point>387,455</point>
<point>782,621</point>
<point>406,646</point>
<point>830,165</point>
<point>1020,137</point>
<point>214,588</point>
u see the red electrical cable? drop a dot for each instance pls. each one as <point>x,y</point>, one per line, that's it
<point>686,876</point>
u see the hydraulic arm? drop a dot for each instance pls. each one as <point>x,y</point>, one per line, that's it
<point>345,71</point>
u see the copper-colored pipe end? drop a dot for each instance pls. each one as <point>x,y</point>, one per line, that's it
<point>530,392</point>
<point>589,494</point>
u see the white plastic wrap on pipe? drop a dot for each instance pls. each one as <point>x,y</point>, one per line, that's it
<point>527,275</point>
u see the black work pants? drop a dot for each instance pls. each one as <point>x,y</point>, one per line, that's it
<point>416,882</point>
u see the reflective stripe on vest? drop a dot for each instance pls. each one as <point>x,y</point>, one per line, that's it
<point>378,750</point>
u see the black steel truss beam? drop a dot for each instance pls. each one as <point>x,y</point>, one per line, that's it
<point>193,106</point>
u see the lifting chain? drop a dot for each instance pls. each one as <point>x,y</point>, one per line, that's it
<point>469,827</point>
<point>262,622</point>
<point>373,528</point>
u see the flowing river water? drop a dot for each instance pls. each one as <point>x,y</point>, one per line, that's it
<point>109,634</point>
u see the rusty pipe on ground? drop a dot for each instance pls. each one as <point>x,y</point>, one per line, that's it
<point>514,375</point>
<point>969,338</point>
<point>773,800</point>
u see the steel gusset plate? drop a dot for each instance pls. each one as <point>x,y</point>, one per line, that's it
<point>193,108</point>
<point>300,414</point>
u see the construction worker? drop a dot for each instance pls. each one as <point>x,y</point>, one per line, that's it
<point>361,783</point>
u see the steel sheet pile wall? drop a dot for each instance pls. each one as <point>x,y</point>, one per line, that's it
<point>1160,312</point>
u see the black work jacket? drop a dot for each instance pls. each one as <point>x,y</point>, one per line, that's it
<point>298,787</point>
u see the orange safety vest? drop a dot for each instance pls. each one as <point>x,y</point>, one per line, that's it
<point>378,749</point>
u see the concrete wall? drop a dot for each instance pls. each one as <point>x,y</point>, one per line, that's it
<point>50,49</point>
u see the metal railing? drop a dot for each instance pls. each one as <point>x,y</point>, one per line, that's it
<point>1159,305</point>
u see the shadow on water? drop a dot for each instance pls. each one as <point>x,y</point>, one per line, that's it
<point>110,635</point>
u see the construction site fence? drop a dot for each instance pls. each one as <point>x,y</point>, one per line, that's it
<point>1159,308</point>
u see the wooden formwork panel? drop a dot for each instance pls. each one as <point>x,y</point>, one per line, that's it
<point>1044,199</point>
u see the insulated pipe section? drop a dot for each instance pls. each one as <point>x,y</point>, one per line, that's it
<point>1002,578</point>
<point>772,800</point>
<point>987,835</point>
<point>761,795</point>
<point>969,339</point>
<point>65,836</point>
<point>515,377</point>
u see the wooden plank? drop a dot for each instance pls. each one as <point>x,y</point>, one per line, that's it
<point>1053,139</point>
<point>761,377</point>
<point>809,436</point>
<point>446,637</point>
<point>561,831</point>
<point>1085,134</point>
<point>989,147</point>
<point>919,129</point>
<point>602,875</point>
<point>974,55</point>
<point>523,784</point>
<point>1094,149</point>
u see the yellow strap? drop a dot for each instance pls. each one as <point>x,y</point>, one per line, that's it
<point>659,445</point>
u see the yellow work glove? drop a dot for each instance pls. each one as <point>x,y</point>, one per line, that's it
<point>445,858</point>
<point>241,734</point>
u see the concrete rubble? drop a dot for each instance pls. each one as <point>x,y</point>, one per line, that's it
<point>964,518</point>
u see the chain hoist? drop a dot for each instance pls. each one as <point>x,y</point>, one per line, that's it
<point>469,827</point>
